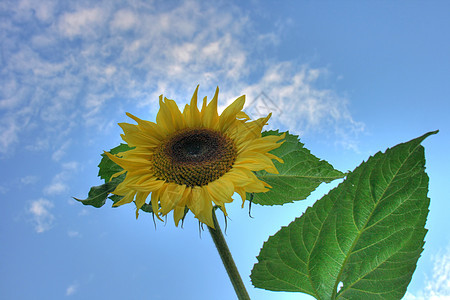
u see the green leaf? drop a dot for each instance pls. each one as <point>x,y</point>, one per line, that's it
<point>299,175</point>
<point>147,208</point>
<point>97,194</point>
<point>367,233</point>
<point>107,167</point>
<point>115,198</point>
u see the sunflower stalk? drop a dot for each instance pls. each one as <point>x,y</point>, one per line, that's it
<point>227,259</point>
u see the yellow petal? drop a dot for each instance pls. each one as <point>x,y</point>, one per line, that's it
<point>205,215</point>
<point>147,186</point>
<point>191,113</point>
<point>177,116</point>
<point>242,116</point>
<point>178,213</point>
<point>254,161</point>
<point>243,195</point>
<point>264,144</point>
<point>169,116</point>
<point>122,188</point>
<point>195,200</point>
<point>252,129</point>
<point>238,177</point>
<point>117,174</point>
<point>210,117</point>
<point>228,116</point>
<point>271,156</point>
<point>126,199</point>
<point>140,200</point>
<point>204,104</point>
<point>252,184</point>
<point>171,196</point>
<point>148,127</point>
<point>221,191</point>
<point>135,137</point>
<point>128,164</point>
<point>155,201</point>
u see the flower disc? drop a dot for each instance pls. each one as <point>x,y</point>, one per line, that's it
<point>194,157</point>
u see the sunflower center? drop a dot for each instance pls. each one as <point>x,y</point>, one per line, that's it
<point>194,150</point>
<point>195,146</point>
<point>194,157</point>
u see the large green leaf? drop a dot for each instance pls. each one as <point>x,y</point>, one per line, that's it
<point>299,175</point>
<point>367,233</point>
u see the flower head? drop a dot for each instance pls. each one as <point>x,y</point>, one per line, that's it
<point>194,158</point>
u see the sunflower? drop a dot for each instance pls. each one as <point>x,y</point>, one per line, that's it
<point>194,158</point>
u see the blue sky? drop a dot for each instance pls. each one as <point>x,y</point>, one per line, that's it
<point>351,78</point>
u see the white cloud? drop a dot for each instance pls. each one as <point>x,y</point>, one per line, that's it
<point>72,289</point>
<point>85,21</point>
<point>43,10</point>
<point>71,166</point>
<point>81,71</point>
<point>438,287</point>
<point>73,234</point>
<point>61,151</point>
<point>41,214</point>
<point>290,92</point>
<point>84,212</point>
<point>3,189</point>
<point>56,187</point>
<point>59,184</point>
<point>29,179</point>
<point>124,19</point>
<point>9,131</point>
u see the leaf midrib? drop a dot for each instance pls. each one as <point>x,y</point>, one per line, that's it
<point>297,176</point>
<point>333,296</point>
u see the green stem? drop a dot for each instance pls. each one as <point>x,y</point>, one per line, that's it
<point>227,259</point>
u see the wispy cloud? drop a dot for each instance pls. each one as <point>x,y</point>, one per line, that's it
<point>290,91</point>
<point>73,234</point>
<point>438,286</point>
<point>3,189</point>
<point>56,187</point>
<point>61,151</point>
<point>29,179</point>
<point>42,216</point>
<point>42,10</point>
<point>83,22</point>
<point>72,289</point>
<point>79,65</point>
<point>59,183</point>
<point>8,133</point>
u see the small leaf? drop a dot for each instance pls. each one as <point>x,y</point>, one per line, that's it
<point>147,208</point>
<point>367,233</point>
<point>107,167</point>
<point>97,194</point>
<point>299,175</point>
<point>115,198</point>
